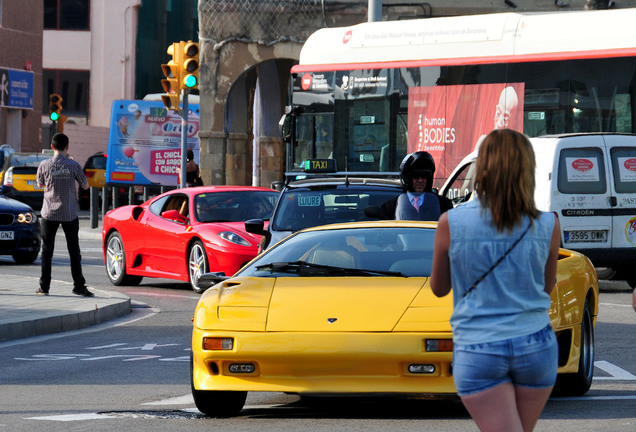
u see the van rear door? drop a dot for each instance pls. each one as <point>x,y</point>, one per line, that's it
<point>622,155</point>
<point>582,193</point>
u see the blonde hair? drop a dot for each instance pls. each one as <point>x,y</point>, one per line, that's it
<point>504,178</point>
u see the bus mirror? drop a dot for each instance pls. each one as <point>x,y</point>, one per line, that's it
<point>284,125</point>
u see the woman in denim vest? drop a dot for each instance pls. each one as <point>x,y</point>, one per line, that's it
<point>499,253</point>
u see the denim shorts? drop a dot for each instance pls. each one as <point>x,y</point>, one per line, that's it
<point>528,361</point>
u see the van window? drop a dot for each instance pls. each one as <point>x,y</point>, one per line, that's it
<point>582,170</point>
<point>624,167</point>
<point>461,187</point>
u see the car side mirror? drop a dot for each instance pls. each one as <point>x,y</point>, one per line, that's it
<point>207,280</point>
<point>255,226</point>
<point>374,212</point>
<point>174,216</point>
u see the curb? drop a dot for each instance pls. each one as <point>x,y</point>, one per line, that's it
<point>64,322</point>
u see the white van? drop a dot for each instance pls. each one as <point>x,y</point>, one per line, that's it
<point>589,180</point>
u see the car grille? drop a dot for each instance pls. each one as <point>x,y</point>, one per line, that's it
<point>6,218</point>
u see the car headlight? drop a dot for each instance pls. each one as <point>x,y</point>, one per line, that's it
<point>233,237</point>
<point>27,218</point>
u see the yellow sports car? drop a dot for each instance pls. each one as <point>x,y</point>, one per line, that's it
<point>347,308</point>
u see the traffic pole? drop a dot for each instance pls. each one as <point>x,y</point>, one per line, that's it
<point>184,137</point>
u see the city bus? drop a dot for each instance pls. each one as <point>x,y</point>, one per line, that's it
<point>369,94</point>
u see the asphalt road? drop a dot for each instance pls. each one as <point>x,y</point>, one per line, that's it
<point>132,374</point>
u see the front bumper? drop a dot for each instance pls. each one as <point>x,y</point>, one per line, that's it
<point>26,240</point>
<point>318,363</point>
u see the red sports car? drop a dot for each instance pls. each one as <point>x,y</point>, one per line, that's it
<point>184,233</point>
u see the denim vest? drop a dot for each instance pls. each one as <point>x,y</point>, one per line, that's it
<point>511,301</point>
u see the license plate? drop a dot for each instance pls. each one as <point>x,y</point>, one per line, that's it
<point>586,236</point>
<point>6,235</point>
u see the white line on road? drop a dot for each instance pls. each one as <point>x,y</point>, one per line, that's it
<point>615,304</point>
<point>179,400</point>
<point>594,398</point>
<point>615,372</point>
<point>151,294</point>
<point>73,417</point>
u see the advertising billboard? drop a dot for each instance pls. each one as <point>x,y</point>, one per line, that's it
<point>450,121</point>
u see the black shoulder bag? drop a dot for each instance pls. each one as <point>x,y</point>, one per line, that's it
<point>512,246</point>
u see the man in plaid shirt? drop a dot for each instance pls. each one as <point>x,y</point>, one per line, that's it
<point>58,176</point>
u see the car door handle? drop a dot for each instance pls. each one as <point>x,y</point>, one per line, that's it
<point>613,201</point>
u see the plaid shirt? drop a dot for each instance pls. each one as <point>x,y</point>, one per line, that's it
<point>58,175</point>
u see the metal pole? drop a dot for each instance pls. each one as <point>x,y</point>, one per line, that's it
<point>184,137</point>
<point>94,206</point>
<point>375,10</point>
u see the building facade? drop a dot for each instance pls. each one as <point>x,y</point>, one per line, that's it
<point>98,51</point>
<point>21,74</point>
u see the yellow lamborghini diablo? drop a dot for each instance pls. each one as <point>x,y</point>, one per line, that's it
<point>346,309</point>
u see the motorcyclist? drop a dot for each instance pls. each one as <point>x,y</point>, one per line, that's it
<point>418,201</point>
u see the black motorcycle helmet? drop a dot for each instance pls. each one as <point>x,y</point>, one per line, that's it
<point>418,163</point>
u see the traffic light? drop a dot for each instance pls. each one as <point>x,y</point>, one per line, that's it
<point>190,65</point>
<point>172,83</point>
<point>55,106</point>
<point>55,111</point>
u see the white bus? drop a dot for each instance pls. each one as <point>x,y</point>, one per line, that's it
<point>368,94</point>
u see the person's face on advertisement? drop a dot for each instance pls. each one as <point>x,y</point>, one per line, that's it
<point>502,117</point>
<point>505,108</point>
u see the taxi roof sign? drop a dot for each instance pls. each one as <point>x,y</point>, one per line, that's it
<point>320,165</point>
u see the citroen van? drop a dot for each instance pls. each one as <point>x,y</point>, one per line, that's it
<point>589,180</point>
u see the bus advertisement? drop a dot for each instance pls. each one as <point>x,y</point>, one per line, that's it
<point>144,143</point>
<point>368,94</point>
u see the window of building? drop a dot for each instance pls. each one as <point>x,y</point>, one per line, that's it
<point>66,14</point>
<point>72,85</point>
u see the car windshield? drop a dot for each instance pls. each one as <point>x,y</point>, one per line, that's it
<point>301,209</point>
<point>33,160</point>
<point>96,162</point>
<point>236,206</point>
<point>379,251</point>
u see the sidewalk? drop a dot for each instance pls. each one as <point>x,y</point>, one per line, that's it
<point>24,314</point>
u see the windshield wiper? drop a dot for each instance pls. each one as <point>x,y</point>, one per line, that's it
<point>304,267</point>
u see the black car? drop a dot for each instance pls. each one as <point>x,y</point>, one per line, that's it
<point>19,229</point>
<point>309,200</point>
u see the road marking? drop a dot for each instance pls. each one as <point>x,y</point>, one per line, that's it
<point>615,372</point>
<point>594,398</point>
<point>615,304</point>
<point>107,346</point>
<point>125,357</point>
<point>53,357</point>
<point>153,294</point>
<point>147,347</point>
<point>73,417</point>
<point>178,400</point>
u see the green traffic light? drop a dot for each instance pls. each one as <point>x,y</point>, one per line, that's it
<point>54,116</point>
<point>190,81</point>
